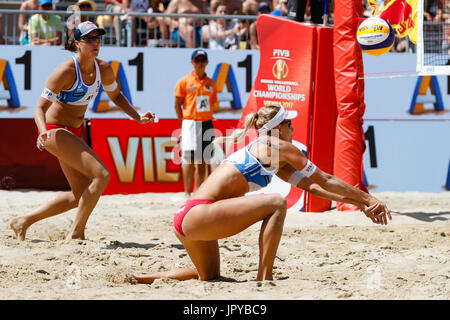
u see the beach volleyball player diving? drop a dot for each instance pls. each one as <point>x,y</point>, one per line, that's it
<point>220,208</point>
<point>59,117</point>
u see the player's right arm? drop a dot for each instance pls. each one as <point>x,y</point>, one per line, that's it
<point>61,78</point>
<point>292,155</point>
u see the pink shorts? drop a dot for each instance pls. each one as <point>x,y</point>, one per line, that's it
<point>184,209</point>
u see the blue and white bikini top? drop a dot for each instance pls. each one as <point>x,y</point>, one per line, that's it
<point>253,171</point>
<point>81,94</point>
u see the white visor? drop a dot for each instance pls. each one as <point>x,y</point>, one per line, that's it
<point>281,115</point>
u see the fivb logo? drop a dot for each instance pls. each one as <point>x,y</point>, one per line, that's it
<point>281,53</point>
<point>280,69</point>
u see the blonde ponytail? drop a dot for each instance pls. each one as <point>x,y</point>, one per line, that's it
<point>238,134</point>
<point>255,120</point>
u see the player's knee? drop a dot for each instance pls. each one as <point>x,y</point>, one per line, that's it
<point>106,176</point>
<point>103,176</point>
<point>279,202</point>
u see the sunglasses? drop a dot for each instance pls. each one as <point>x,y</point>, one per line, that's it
<point>200,59</point>
<point>90,39</point>
<point>85,6</point>
<point>264,10</point>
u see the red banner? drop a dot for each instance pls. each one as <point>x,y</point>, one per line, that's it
<point>22,165</point>
<point>142,158</point>
<point>285,75</point>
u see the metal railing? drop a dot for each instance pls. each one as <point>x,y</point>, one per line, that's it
<point>133,29</point>
<point>140,29</point>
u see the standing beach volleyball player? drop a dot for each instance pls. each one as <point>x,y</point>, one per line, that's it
<point>59,117</point>
<point>219,209</point>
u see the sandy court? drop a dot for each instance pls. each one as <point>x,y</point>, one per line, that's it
<point>331,255</point>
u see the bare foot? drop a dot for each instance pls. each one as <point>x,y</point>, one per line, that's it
<point>143,278</point>
<point>19,228</point>
<point>73,236</point>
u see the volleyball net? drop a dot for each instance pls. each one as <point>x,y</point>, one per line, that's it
<point>433,41</point>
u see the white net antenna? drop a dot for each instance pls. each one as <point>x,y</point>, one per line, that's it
<point>433,39</point>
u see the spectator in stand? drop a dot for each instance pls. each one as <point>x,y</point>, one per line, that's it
<point>440,11</point>
<point>282,9</point>
<point>185,30</point>
<point>141,24</point>
<point>156,25</point>
<point>222,33</point>
<point>442,17</point>
<point>234,6</point>
<point>45,29</point>
<point>112,6</point>
<point>86,5</point>
<point>297,10</point>
<point>23,20</point>
<point>446,29</point>
<point>250,7</point>
<point>275,4</point>
<point>74,20</point>
<point>263,8</point>
<point>431,9</point>
<point>159,26</point>
<point>163,4</point>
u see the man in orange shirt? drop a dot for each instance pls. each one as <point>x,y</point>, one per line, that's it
<point>195,102</point>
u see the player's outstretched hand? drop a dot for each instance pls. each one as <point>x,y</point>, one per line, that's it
<point>378,212</point>
<point>147,117</point>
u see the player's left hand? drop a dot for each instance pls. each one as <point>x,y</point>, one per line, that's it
<point>378,213</point>
<point>147,117</point>
<point>365,210</point>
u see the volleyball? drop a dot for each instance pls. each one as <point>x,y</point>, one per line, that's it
<point>375,36</point>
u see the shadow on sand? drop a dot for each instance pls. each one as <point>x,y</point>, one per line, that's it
<point>427,216</point>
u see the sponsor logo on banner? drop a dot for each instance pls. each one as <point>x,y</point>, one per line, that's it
<point>282,53</point>
<point>278,90</point>
<point>280,69</point>
<point>146,158</point>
